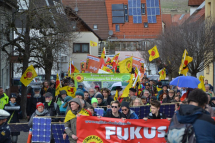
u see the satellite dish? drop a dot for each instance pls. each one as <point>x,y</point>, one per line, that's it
<point>110,32</point>
<point>76,9</point>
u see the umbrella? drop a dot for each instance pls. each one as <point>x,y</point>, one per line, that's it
<point>185,81</point>
<point>113,87</point>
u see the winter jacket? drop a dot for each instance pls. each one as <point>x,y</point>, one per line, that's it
<point>103,104</point>
<point>44,113</point>
<point>53,110</point>
<point>52,91</point>
<point>168,99</point>
<point>70,126</point>
<point>131,115</point>
<point>59,101</point>
<point>203,124</point>
<point>14,118</point>
<point>5,137</point>
<point>31,106</point>
<point>4,99</point>
<point>110,115</point>
<point>62,108</point>
<point>160,116</point>
<point>88,100</point>
<point>109,100</point>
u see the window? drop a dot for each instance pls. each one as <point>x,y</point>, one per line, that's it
<point>126,13</point>
<point>143,10</point>
<point>145,24</point>
<point>95,26</point>
<point>81,48</point>
<point>117,28</point>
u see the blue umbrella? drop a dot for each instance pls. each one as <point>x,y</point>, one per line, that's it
<point>185,81</point>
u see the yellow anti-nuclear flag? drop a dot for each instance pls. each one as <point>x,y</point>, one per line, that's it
<point>162,74</point>
<point>103,53</point>
<point>115,58</point>
<point>28,75</point>
<point>104,68</point>
<point>57,90</point>
<point>126,90</point>
<point>184,63</point>
<point>125,66</point>
<point>70,90</point>
<point>154,54</point>
<point>201,84</point>
<point>93,44</point>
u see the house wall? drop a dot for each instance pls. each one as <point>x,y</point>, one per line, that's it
<point>193,9</point>
<point>84,37</point>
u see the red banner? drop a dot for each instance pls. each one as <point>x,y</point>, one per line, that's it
<point>111,130</point>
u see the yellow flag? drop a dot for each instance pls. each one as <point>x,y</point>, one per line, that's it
<point>104,68</point>
<point>74,69</point>
<point>201,84</point>
<point>116,95</point>
<point>70,90</point>
<point>69,71</point>
<point>125,66</point>
<point>154,54</point>
<point>93,44</point>
<point>184,63</point>
<point>162,74</point>
<point>126,90</point>
<point>57,90</point>
<point>70,115</point>
<point>28,75</point>
<point>115,58</point>
<point>103,53</point>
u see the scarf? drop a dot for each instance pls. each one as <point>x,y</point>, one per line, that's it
<point>12,104</point>
<point>45,89</point>
<point>70,115</point>
<point>41,113</point>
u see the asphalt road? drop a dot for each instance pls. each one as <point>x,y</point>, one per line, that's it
<point>22,138</point>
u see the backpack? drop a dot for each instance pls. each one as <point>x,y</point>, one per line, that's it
<point>180,133</point>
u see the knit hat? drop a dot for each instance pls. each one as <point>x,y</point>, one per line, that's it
<point>132,89</point>
<point>143,97</point>
<point>68,98</point>
<point>125,104</point>
<point>39,104</point>
<point>79,92</point>
<point>100,96</point>
<point>171,91</point>
<point>13,95</point>
<point>93,100</point>
<point>63,92</point>
<point>48,94</point>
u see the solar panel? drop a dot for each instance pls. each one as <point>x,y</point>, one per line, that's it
<point>134,9</point>
<point>41,130</point>
<point>153,9</point>
<point>99,111</point>
<point>19,128</point>
<point>57,132</point>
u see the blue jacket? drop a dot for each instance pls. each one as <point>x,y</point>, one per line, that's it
<point>131,115</point>
<point>63,109</point>
<point>203,124</point>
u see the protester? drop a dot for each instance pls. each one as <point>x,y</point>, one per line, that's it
<point>114,112</point>
<point>176,99</point>
<point>91,109</point>
<point>101,102</point>
<point>91,92</point>
<point>63,107</point>
<point>87,97</point>
<point>207,88</point>
<point>51,106</point>
<point>212,102</point>
<point>107,96</point>
<point>97,88</point>
<point>155,113</point>
<point>193,114</point>
<point>4,128</point>
<point>14,115</point>
<point>162,92</point>
<point>80,94</point>
<point>159,86</point>
<point>4,99</point>
<point>208,107</point>
<point>127,113</point>
<point>40,111</point>
<point>137,102</point>
<point>61,97</point>
<point>178,93</point>
<point>132,92</point>
<point>44,88</point>
<point>170,97</point>
<point>81,87</point>
<point>94,102</point>
<point>153,87</point>
<point>75,109</point>
<point>183,91</point>
<point>51,89</point>
<point>143,99</point>
<point>31,106</point>
<point>210,86</point>
<point>147,95</point>
<point>147,87</point>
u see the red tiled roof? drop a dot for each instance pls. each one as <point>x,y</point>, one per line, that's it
<point>130,30</point>
<point>195,2</point>
<point>167,20</point>
<point>198,15</point>
<point>93,12</point>
<point>180,18</point>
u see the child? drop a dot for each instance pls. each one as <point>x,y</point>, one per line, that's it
<point>155,113</point>
<point>91,109</point>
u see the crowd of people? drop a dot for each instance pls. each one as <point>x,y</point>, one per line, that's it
<point>192,106</point>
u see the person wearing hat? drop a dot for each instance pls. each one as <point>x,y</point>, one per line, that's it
<point>75,109</point>
<point>32,102</point>
<point>132,93</point>
<point>61,97</point>
<point>81,87</point>
<point>51,106</point>
<point>4,99</point>
<point>97,88</point>
<point>80,94</point>
<point>101,101</point>
<point>40,111</point>
<point>14,109</point>
<point>4,128</point>
<point>127,113</point>
<point>162,92</point>
<point>159,86</point>
<point>147,87</point>
<point>170,97</point>
<point>144,101</point>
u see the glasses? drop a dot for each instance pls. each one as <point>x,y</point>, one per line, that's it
<point>114,107</point>
<point>124,109</point>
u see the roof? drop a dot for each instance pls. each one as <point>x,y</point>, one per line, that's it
<point>92,12</point>
<point>197,15</point>
<point>130,30</point>
<point>180,18</point>
<point>195,2</point>
<point>167,20</point>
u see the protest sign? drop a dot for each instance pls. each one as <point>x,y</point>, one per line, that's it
<point>92,64</point>
<point>137,62</point>
<point>103,130</point>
